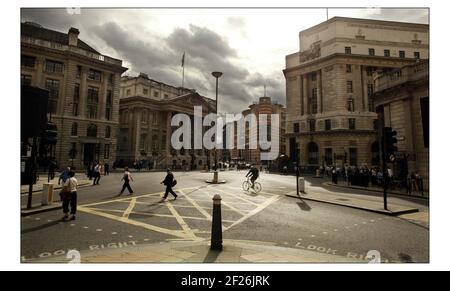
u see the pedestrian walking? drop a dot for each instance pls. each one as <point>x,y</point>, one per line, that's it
<point>106,167</point>
<point>63,176</point>
<point>97,175</point>
<point>126,182</point>
<point>169,182</point>
<point>70,185</point>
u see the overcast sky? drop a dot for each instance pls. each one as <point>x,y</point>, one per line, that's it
<point>248,45</point>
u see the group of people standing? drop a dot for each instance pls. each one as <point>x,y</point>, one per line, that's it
<point>94,171</point>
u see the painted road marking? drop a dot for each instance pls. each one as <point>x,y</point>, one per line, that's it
<point>189,194</point>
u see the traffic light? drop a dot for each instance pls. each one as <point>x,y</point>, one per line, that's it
<point>51,132</point>
<point>390,141</point>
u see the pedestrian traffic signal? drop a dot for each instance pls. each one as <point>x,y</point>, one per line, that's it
<point>51,133</point>
<point>390,141</point>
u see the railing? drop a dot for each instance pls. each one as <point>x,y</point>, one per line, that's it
<point>77,50</point>
<point>409,73</point>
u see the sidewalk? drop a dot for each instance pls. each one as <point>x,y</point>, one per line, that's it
<point>234,251</point>
<point>37,191</point>
<point>343,184</point>
<point>353,202</point>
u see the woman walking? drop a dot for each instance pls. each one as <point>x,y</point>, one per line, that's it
<point>71,185</point>
<point>126,181</point>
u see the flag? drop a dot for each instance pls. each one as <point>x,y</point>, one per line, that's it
<point>182,61</point>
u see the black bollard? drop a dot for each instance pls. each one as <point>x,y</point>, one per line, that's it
<point>216,228</point>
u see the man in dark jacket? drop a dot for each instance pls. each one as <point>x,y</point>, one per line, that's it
<point>168,181</point>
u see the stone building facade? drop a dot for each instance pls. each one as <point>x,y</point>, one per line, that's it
<point>146,109</point>
<point>265,105</point>
<point>403,96</point>
<point>329,87</point>
<point>83,89</point>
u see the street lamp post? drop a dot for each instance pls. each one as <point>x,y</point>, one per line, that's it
<point>216,75</point>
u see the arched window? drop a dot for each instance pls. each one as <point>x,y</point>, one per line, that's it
<point>107,132</point>
<point>375,150</point>
<point>74,129</point>
<point>92,130</point>
<point>313,153</point>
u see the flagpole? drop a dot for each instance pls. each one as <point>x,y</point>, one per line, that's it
<point>182,81</point>
<point>182,65</point>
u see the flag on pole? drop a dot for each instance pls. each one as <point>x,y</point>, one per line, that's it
<point>182,61</point>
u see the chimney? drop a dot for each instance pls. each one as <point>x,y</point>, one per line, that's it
<point>73,36</point>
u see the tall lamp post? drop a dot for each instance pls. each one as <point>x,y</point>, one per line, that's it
<point>216,75</point>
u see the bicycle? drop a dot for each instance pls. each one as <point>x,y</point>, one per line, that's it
<point>248,184</point>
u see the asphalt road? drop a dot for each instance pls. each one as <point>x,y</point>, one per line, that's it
<point>105,220</point>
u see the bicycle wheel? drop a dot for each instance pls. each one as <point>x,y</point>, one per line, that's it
<point>258,187</point>
<point>245,185</point>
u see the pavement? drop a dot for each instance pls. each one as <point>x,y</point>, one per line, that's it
<point>43,180</point>
<point>344,184</point>
<point>234,251</point>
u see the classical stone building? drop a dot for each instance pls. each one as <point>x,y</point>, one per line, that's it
<point>265,105</point>
<point>84,92</point>
<point>403,96</point>
<point>329,86</point>
<point>146,109</point>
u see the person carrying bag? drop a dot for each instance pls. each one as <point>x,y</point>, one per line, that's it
<point>69,196</point>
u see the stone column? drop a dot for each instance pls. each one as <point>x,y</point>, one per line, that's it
<point>102,96</point>
<point>365,97</point>
<point>319,92</point>
<point>168,131</point>
<point>305,94</point>
<point>83,93</point>
<point>138,118</point>
<point>302,104</point>
<point>39,82</point>
<point>408,123</point>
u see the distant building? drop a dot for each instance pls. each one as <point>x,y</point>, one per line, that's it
<point>404,97</point>
<point>265,105</point>
<point>84,92</point>
<point>329,86</point>
<point>146,109</point>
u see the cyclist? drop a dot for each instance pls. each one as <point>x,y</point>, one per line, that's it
<point>253,174</point>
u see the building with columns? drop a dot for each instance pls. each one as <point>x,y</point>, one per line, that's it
<point>265,105</point>
<point>146,109</point>
<point>403,98</point>
<point>329,87</point>
<point>83,89</point>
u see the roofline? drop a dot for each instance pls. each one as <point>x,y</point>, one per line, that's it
<point>364,20</point>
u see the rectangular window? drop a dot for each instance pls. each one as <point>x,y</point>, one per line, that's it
<point>156,94</point>
<point>166,96</point>
<point>94,75</point>
<point>109,105</point>
<point>312,125</point>
<point>25,80</point>
<point>92,102</point>
<point>296,127</point>
<point>328,156</point>
<point>313,101</point>
<point>76,99</point>
<point>111,79</point>
<point>106,153</point>
<point>53,87</point>
<point>417,55</point>
<point>348,50</point>
<point>350,104</point>
<point>155,118</point>
<point>78,72</point>
<point>128,92</point>
<point>328,124</point>
<point>145,91</point>
<point>53,66</point>
<point>348,68</point>
<point>425,113</point>
<point>369,71</point>
<point>349,87</point>
<point>313,76</point>
<point>401,54</point>
<point>387,53</point>
<point>353,156</point>
<point>371,51</point>
<point>352,123</point>
<point>27,61</point>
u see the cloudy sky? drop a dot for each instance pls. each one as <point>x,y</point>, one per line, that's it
<point>248,45</point>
